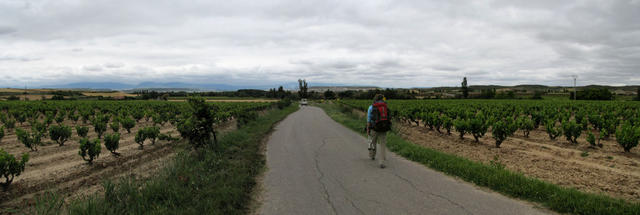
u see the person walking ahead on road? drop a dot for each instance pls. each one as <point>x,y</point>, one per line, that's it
<point>379,119</point>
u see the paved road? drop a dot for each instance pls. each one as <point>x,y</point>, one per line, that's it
<point>317,166</point>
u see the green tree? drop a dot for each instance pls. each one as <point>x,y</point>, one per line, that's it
<point>329,95</point>
<point>10,167</point>
<point>197,128</point>
<point>302,88</point>
<point>465,88</point>
<point>89,150</point>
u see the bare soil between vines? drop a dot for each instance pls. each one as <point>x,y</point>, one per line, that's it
<point>606,170</point>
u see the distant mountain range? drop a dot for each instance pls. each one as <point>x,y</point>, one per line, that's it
<point>181,86</point>
<point>175,85</point>
<point>537,87</point>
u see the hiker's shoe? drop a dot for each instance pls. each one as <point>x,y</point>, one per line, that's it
<point>382,166</point>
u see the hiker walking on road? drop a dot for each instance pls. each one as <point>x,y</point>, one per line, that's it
<point>378,120</point>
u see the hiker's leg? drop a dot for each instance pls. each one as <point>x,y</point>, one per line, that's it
<point>374,138</point>
<point>383,147</point>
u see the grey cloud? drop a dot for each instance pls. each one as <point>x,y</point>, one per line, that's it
<point>386,43</point>
<point>7,30</point>
<point>18,58</point>
<point>113,65</point>
<point>445,68</point>
<point>92,68</point>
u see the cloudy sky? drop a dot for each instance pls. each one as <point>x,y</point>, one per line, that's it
<point>385,43</point>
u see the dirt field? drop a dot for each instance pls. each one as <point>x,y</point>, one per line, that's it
<point>605,170</point>
<point>55,167</point>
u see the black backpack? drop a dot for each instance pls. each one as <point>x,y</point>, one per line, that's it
<point>381,117</point>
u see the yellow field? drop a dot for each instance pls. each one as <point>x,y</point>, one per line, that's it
<point>15,90</point>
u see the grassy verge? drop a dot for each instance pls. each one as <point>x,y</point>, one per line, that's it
<point>217,181</point>
<point>494,176</point>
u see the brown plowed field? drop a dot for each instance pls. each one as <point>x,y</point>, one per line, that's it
<point>60,168</point>
<point>606,170</point>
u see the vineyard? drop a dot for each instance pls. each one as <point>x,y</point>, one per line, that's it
<point>586,145</point>
<point>72,146</point>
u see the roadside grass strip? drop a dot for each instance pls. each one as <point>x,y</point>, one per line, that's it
<point>216,180</point>
<point>494,176</point>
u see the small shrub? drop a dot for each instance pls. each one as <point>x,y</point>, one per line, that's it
<point>112,142</point>
<point>552,130</point>
<point>59,118</point>
<point>10,124</point>
<point>591,139</point>
<point>1,133</point>
<point>628,136</point>
<point>82,131</point>
<point>584,154</point>
<point>571,130</point>
<point>49,116</point>
<point>128,123</point>
<point>246,117</point>
<point>478,128</point>
<point>99,127</point>
<point>167,137</point>
<point>283,103</point>
<point>115,126</point>
<point>447,124</point>
<point>73,117</point>
<point>152,133</point>
<point>501,131</point>
<point>89,150</point>
<point>526,125</point>
<point>461,126</point>
<point>140,138</point>
<point>10,167</point>
<point>60,133</point>
<point>30,140</point>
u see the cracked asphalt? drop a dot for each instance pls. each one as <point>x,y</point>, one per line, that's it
<point>317,166</point>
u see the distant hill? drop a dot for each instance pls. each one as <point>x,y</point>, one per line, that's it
<point>535,87</point>
<point>176,86</point>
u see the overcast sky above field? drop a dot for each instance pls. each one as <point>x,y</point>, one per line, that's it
<point>385,43</point>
